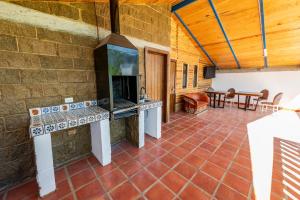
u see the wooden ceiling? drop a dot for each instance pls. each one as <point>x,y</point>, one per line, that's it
<point>242,25</point>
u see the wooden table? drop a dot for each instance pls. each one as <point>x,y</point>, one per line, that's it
<point>215,94</point>
<point>248,96</point>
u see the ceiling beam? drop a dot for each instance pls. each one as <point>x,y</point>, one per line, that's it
<point>195,39</point>
<point>263,32</point>
<point>181,5</point>
<point>224,32</point>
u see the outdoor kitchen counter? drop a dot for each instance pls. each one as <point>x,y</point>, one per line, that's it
<point>149,120</point>
<point>47,120</point>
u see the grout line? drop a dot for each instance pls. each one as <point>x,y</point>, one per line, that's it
<point>68,177</point>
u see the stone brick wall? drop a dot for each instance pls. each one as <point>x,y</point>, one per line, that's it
<point>40,67</point>
<point>150,22</point>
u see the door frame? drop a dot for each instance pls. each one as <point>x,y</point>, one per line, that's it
<point>166,54</point>
<point>175,61</point>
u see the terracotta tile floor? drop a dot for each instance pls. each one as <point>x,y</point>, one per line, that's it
<point>198,157</point>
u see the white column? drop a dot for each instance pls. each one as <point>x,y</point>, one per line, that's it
<point>153,122</point>
<point>100,136</point>
<point>44,164</point>
<point>260,134</point>
<point>141,129</point>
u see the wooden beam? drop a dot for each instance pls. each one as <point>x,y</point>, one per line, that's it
<point>263,32</point>
<point>181,5</point>
<point>195,39</point>
<point>224,32</point>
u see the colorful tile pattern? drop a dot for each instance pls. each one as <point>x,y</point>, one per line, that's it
<point>55,118</point>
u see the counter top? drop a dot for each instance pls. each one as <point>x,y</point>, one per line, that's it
<point>55,118</point>
<point>150,104</point>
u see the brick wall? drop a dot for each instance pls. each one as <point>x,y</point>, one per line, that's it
<point>146,21</point>
<point>40,67</point>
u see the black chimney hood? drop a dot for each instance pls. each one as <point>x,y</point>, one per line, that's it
<point>116,66</point>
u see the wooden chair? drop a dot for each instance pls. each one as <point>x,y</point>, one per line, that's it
<point>274,105</point>
<point>261,99</point>
<point>211,97</point>
<point>229,97</point>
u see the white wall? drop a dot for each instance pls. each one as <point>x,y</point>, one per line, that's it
<point>287,82</point>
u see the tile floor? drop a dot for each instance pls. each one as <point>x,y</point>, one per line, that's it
<point>198,157</point>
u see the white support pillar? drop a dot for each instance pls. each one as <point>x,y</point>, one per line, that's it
<point>141,129</point>
<point>153,122</point>
<point>44,164</point>
<point>100,136</point>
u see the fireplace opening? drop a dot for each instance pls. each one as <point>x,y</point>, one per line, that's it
<point>124,91</point>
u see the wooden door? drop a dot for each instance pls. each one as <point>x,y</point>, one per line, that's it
<point>172,85</point>
<point>156,78</point>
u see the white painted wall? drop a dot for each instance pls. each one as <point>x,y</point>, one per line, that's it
<point>287,82</point>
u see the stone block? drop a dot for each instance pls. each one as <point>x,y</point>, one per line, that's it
<point>65,76</point>
<point>84,41</point>
<point>36,5</point>
<point>84,64</point>
<point>36,46</point>
<point>32,76</point>
<point>85,89</point>
<point>59,89</point>
<point>36,90</point>
<point>9,76</point>
<point>54,62</point>
<point>20,151</point>
<point>15,122</point>
<point>8,43</point>
<point>68,51</point>
<point>64,10</point>
<point>43,101</point>
<point>50,76</point>
<point>88,17</point>
<point>2,127</point>
<point>84,5</point>
<point>91,76</point>
<point>14,92</point>
<point>9,107</point>
<point>46,34</point>
<point>86,53</point>
<point>4,27</point>
<point>15,171</point>
<point>16,137</point>
<point>102,9</point>
<point>22,30</point>
<point>18,60</point>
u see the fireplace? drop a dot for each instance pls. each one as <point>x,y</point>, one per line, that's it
<point>116,64</point>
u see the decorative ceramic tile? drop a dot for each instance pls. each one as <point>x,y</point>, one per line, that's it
<point>94,102</point>
<point>90,118</point>
<point>65,116</point>
<point>149,105</point>
<point>64,108</point>
<point>46,110</point>
<point>36,131</point>
<point>55,109</point>
<point>61,126</point>
<point>72,123</point>
<point>87,103</point>
<point>82,121</point>
<point>73,106</point>
<point>49,128</point>
<point>34,112</point>
<point>80,105</point>
<point>98,117</point>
